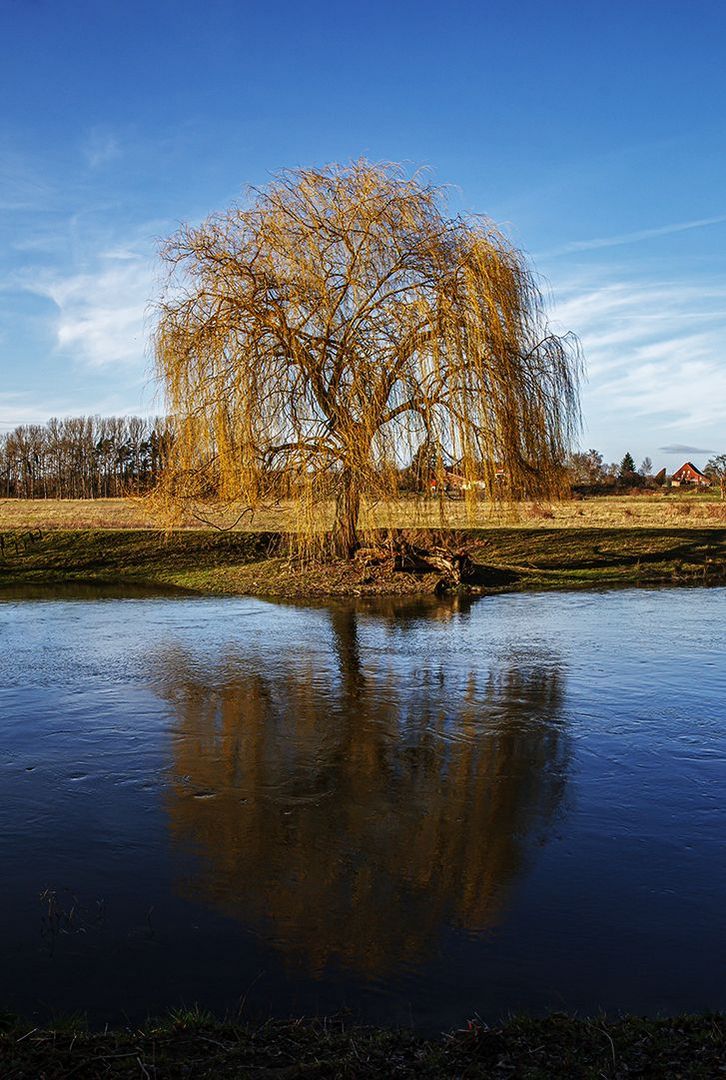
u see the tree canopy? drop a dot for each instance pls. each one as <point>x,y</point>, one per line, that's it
<point>586,467</point>
<point>311,340</point>
<point>83,457</point>
<point>716,468</point>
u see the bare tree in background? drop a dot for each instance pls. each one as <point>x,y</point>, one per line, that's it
<point>312,340</point>
<point>586,467</point>
<point>716,469</point>
<point>83,457</point>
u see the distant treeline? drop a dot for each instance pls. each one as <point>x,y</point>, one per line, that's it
<point>84,457</point>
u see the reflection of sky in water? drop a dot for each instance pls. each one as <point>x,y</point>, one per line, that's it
<point>416,810</point>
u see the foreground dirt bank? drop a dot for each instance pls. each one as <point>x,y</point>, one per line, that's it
<point>255,564</point>
<point>191,1044</point>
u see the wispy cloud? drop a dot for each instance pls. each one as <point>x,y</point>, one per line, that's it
<point>656,356</point>
<point>631,237</point>
<point>22,184</point>
<point>18,409</point>
<point>101,314</point>
<point>101,147</point>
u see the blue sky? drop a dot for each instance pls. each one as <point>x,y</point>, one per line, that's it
<point>593,133</point>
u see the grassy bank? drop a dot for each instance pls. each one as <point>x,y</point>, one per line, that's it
<point>245,563</point>
<point>193,1045</point>
<point>678,509</point>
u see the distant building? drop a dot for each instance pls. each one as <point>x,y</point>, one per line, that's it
<point>452,482</point>
<point>689,474</point>
<point>456,481</point>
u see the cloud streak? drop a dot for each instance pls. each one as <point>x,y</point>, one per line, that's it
<point>632,237</point>
<point>684,448</point>
<point>22,186</point>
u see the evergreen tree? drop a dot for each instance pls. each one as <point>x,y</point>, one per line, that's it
<point>627,467</point>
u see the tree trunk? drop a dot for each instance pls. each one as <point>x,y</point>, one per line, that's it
<point>456,566</point>
<point>347,508</point>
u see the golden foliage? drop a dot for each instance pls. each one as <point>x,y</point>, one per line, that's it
<point>313,341</point>
<point>356,841</point>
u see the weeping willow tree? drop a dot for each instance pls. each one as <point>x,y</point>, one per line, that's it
<point>311,342</point>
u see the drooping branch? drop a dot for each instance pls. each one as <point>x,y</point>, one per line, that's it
<point>339,322</point>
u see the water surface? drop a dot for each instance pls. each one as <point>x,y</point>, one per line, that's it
<point>415,811</point>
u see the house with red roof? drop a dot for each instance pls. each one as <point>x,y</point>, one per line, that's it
<point>689,474</point>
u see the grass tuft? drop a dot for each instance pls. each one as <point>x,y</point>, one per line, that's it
<point>191,1044</point>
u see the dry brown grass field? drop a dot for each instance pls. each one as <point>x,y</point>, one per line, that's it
<point>675,510</point>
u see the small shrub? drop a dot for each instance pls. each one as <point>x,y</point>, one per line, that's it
<point>538,510</point>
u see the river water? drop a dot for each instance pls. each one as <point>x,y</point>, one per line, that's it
<point>413,811</point>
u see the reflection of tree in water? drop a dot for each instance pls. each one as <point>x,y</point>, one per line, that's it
<point>352,811</point>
